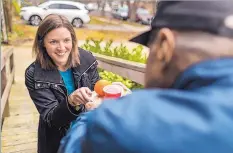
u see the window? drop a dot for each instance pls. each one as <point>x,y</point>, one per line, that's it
<point>142,11</point>
<point>65,6</point>
<point>54,6</point>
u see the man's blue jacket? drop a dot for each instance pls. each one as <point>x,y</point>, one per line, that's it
<point>194,116</point>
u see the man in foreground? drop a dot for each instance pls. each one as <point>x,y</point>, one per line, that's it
<point>187,105</point>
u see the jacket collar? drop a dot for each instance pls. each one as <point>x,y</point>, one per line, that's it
<point>205,73</point>
<point>42,75</point>
<point>53,76</point>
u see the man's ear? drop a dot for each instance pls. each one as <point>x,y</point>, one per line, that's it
<point>165,44</point>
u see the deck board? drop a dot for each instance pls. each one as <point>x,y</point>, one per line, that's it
<point>19,130</point>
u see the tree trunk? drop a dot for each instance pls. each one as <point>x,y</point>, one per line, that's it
<point>34,2</point>
<point>103,7</point>
<point>7,7</point>
<point>129,8</point>
<point>10,15</point>
<point>3,24</point>
<point>122,3</point>
<point>154,4</point>
<point>132,7</point>
<point>99,4</point>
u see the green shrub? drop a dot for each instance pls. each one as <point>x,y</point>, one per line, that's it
<point>120,52</point>
<point>116,78</point>
<point>18,31</point>
<point>16,7</point>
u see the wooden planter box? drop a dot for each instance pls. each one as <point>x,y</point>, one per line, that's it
<point>130,70</point>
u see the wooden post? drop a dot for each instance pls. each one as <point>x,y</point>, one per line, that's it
<point>3,87</point>
<point>6,112</point>
<point>3,80</point>
<point>12,65</point>
<point>7,76</point>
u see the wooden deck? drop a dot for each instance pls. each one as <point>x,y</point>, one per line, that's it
<point>19,131</point>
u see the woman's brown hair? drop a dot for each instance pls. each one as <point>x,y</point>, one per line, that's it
<point>50,23</point>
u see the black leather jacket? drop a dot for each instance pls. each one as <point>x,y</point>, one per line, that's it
<point>47,91</point>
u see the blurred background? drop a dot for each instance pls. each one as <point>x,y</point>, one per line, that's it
<point>102,27</point>
<point>107,19</point>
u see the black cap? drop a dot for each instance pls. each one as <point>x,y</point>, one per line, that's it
<point>215,17</point>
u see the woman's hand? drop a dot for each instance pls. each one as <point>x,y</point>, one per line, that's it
<point>80,96</point>
<point>94,103</point>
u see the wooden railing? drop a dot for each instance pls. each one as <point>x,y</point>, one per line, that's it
<point>7,79</point>
<point>130,70</point>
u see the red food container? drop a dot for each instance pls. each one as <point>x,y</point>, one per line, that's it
<point>112,91</point>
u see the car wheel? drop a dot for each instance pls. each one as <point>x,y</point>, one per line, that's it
<point>140,22</point>
<point>77,23</point>
<point>35,20</point>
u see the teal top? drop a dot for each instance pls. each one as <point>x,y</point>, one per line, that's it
<point>68,79</point>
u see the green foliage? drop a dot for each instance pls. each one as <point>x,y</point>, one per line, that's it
<point>116,78</point>
<point>16,7</point>
<point>18,31</point>
<point>120,51</point>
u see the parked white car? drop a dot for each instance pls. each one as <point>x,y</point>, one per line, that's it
<point>75,12</point>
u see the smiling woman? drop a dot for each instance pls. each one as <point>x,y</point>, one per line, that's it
<point>52,38</point>
<point>59,81</point>
<point>59,45</point>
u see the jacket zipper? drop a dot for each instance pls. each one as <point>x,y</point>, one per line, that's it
<point>87,69</point>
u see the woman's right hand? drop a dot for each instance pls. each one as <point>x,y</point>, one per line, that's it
<point>80,96</point>
<point>94,104</point>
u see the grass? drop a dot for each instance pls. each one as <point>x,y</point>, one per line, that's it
<point>115,21</point>
<point>103,34</point>
<point>133,23</point>
<point>95,20</point>
<point>23,31</point>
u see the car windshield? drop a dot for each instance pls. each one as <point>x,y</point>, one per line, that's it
<point>42,5</point>
<point>123,9</point>
<point>143,11</point>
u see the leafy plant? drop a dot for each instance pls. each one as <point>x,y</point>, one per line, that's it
<point>18,31</point>
<point>120,52</point>
<point>16,7</point>
<point>116,78</point>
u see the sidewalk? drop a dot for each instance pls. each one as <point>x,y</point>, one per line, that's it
<point>120,25</point>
